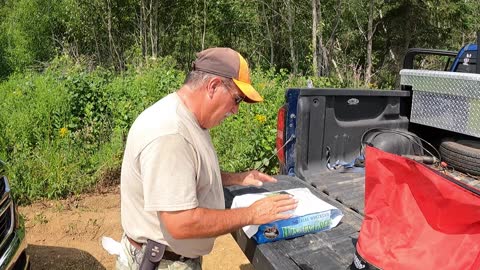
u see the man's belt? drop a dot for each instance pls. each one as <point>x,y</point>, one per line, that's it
<point>167,255</point>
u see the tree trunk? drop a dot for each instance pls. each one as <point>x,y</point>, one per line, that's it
<point>276,29</point>
<point>269,34</point>
<point>109,30</point>
<point>390,51</point>
<point>111,42</point>
<point>290,36</point>
<point>339,74</point>
<point>204,23</point>
<point>193,26</point>
<point>338,15</point>
<point>314,38</point>
<point>153,28</point>
<point>368,70</point>
<point>141,27</point>
<point>322,50</point>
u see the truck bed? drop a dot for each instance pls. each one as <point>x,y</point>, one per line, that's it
<point>321,128</point>
<point>333,249</point>
<point>348,188</point>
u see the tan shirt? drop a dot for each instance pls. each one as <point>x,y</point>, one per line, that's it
<point>169,164</point>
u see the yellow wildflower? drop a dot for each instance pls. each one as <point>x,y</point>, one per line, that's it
<point>63,131</point>
<point>261,118</point>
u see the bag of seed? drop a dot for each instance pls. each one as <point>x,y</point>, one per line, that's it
<point>311,215</point>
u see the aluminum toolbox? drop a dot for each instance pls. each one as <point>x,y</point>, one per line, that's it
<point>446,100</point>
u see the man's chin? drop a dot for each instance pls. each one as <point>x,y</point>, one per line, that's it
<point>224,118</point>
<point>221,120</point>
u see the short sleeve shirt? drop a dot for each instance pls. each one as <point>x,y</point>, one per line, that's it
<point>169,164</point>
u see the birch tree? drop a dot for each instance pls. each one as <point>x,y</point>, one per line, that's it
<point>370,31</point>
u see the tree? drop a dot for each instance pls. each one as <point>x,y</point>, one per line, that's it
<point>358,41</point>
<point>28,29</point>
<point>290,15</point>
<point>370,31</point>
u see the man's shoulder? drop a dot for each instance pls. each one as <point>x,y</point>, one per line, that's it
<point>159,117</point>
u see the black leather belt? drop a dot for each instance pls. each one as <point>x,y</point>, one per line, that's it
<point>172,256</point>
<point>167,255</point>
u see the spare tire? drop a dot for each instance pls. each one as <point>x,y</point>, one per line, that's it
<point>463,155</point>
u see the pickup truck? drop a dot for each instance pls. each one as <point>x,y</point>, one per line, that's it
<point>12,231</point>
<point>319,137</point>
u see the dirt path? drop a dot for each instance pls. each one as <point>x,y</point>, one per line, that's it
<point>66,235</point>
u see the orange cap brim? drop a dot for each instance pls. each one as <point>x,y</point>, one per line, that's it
<point>252,96</point>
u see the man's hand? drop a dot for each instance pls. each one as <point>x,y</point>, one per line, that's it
<point>250,178</point>
<point>272,208</point>
<point>203,222</point>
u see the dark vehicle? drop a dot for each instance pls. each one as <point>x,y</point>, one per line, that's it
<point>320,132</point>
<point>12,231</point>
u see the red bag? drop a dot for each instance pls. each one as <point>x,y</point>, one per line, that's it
<point>416,218</point>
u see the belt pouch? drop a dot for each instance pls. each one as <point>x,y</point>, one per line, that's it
<point>152,255</point>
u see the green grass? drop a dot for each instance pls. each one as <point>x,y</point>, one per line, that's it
<point>63,130</point>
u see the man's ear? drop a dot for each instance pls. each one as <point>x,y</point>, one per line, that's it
<point>213,86</point>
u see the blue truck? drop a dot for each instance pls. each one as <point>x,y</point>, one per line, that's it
<point>320,132</point>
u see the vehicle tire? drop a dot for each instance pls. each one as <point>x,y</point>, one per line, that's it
<point>463,155</point>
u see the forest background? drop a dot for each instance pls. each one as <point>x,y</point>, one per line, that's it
<point>75,73</point>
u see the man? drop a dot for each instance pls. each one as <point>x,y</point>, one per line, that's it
<point>171,184</point>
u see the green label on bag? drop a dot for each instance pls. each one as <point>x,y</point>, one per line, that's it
<point>316,226</point>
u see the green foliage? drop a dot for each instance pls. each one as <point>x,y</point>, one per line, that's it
<point>64,129</point>
<point>33,107</point>
<point>270,33</point>
<point>135,90</point>
<point>247,140</point>
<point>28,30</point>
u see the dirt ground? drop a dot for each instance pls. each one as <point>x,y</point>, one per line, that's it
<point>66,235</point>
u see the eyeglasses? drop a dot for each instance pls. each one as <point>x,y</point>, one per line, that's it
<point>236,98</point>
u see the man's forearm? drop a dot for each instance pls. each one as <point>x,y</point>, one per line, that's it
<point>203,222</point>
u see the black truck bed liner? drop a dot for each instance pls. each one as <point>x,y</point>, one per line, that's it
<point>332,249</point>
<point>345,187</point>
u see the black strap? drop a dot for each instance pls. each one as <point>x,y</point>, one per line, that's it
<point>360,263</point>
<point>152,256</point>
